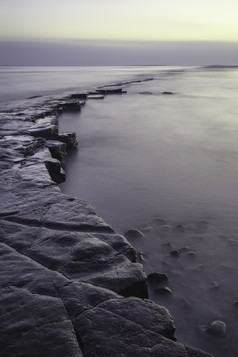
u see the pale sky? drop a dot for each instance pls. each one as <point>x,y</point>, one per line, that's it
<point>76,32</point>
<point>155,20</point>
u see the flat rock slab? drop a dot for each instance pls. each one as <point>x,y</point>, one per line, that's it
<point>70,286</point>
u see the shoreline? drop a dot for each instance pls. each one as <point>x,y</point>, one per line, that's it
<point>80,288</point>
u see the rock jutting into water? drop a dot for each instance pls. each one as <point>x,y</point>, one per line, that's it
<point>70,285</point>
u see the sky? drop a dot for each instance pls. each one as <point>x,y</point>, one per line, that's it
<point>126,32</point>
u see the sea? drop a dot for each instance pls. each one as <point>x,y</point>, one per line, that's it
<point>161,158</point>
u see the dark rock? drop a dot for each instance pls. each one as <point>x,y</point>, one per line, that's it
<point>167,93</point>
<point>179,228</point>
<point>53,165</point>
<point>167,246</point>
<point>165,291</point>
<point>35,96</point>
<point>57,149</point>
<point>152,316</point>
<point>146,93</point>
<point>160,221</point>
<point>70,106</point>
<point>217,328</point>
<point>140,257</point>
<point>215,285</point>
<point>164,229</point>
<point>192,352</point>
<point>69,139</point>
<point>175,253</point>
<point>44,127</point>
<point>110,91</point>
<point>157,278</point>
<point>134,234</point>
<point>79,96</point>
<point>184,250</point>
<point>191,254</point>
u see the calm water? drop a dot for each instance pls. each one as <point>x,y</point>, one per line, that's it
<point>144,156</point>
<point>19,83</point>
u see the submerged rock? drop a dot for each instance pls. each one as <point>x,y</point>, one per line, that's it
<point>165,291</point>
<point>134,234</point>
<point>175,253</point>
<point>146,93</point>
<point>179,228</point>
<point>217,328</point>
<point>34,97</point>
<point>160,221</point>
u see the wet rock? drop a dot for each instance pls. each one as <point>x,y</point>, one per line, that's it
<point>134,234</point>
<point>192,352</point>
<point>70,106</point>
<point>179,228</point>
<point>165,228</point>
<point>164,291</point>
<point>140,257</point>
<point>57,149</point>
<point>110,91</point>
<point>217,328</point>
<point>191,254</point>
<point>34,97</point>
<point>184,249</point>
<point>79,96</point>
<point>160,221</point>
<point>167,246</point>
<point>69,139</point>
<point>175,253</point>
<point>53,165</point>
<point>215,285</point>
<point>157,278</point>
<point>44,127</point>
<point>95,96</point>
<point>146,93</point>
<point>145,228</point>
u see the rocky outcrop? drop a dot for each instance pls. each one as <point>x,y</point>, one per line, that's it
<point>70,286</point>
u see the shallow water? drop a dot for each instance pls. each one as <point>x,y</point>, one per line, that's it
<point>144,155</point>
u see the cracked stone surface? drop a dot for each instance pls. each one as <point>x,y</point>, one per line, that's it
<point>70,286</point>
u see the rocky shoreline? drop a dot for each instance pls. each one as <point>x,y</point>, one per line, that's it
<point>70,285</point>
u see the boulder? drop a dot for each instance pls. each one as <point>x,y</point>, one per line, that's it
<point>157,278</point>
<point>217,328</point>
<point>134,234</point>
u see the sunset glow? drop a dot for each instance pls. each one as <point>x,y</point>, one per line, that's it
<point>206,20</point>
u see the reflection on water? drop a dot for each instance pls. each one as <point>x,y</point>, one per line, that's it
<point>173,156</point>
